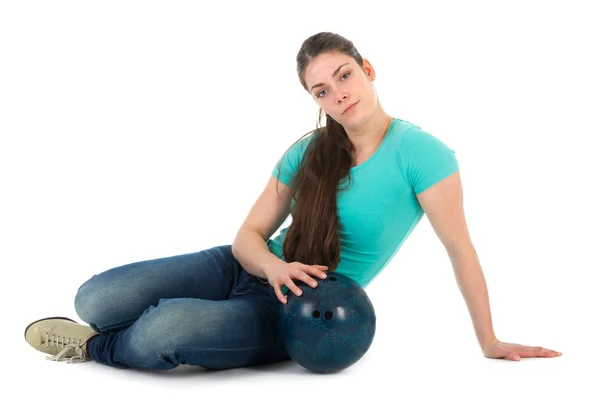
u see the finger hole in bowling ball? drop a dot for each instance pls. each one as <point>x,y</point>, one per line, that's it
<point>328,315</point>
<point>316,314</point>
<point>332,278</point>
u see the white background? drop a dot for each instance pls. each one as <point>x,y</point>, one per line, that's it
<point>134,130</point>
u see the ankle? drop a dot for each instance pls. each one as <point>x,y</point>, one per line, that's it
<point>87,346</point>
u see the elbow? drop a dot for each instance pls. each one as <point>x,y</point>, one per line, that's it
<point>236,242</point>
<point>234,246</point>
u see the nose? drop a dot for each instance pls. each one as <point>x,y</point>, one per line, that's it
<point>341,96</point>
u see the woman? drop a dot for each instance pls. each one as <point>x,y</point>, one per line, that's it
<point>356,189</point>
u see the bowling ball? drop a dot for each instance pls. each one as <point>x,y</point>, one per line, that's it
<point>328,328</point>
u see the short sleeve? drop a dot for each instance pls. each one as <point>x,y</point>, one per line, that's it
<point>424,159</point>
<point>289,163</point>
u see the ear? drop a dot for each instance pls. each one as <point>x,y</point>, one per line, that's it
<point>368,68</point>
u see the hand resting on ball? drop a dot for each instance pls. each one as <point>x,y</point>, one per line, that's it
<point>283,274</point>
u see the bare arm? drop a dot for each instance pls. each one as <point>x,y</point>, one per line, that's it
<point>266,216</point>
<point>251,250</point>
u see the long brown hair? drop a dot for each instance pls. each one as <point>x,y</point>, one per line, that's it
<point>313,236</point>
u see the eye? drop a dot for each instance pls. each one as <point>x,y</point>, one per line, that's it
<point>319,94</point>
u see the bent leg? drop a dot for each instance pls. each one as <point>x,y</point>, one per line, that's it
<point>114,299</point>
<point>238,332</point>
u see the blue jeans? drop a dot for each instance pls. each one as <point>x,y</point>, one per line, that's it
<point>199,308</point>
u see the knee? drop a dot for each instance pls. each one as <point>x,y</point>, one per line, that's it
<point>180,324</point>
<point>168,323</point>
<point>95,301</point>
<point>163,338</point>
<point>86,299</point>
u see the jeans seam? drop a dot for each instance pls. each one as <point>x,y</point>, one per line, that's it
<point>117,326</point>
<point>163,356</point>
<point>236,291</point>
<point>223,349</point>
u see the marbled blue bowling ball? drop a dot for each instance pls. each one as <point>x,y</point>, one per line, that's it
<point>327,328</point>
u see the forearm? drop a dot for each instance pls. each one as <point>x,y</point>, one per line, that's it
<point>472,285</point>
<point>251,250</point>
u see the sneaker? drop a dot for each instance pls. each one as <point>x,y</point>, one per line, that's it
<point>61,337</point>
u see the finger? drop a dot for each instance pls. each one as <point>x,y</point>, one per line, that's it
<point>280,295</point>
<point>537,351</point>
<point>303,276</point>
<point>548,350</point>
<point>292,286</point>
<point>542,352</point>
<point>513,357</point>
<point>319,273</point>
<point>317,270</point>
<point>306,278</point>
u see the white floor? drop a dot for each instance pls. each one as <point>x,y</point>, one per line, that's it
<point>424,348</point>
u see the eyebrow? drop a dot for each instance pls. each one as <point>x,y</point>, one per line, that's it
<point>332,75</point>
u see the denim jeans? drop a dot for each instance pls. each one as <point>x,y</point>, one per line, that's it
<point>200,308</point>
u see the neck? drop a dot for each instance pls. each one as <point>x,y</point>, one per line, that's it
<point>370,134</point>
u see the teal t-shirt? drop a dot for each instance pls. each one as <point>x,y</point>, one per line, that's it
<point>379,210</point>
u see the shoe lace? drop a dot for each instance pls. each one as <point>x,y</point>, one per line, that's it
<point>68,344</point>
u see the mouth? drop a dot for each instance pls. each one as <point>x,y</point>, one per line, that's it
<point>350,107</point>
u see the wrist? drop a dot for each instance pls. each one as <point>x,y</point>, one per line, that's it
<point>268,268</point>
<point>488,341</point>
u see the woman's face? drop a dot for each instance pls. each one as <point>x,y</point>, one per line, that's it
<point>334,88</point>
